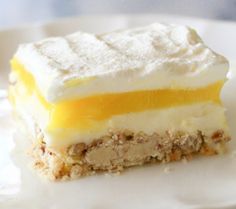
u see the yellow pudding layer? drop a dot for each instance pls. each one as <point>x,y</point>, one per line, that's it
<point>81,113</point>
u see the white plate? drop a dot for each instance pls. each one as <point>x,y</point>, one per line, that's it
<point>205,182</point>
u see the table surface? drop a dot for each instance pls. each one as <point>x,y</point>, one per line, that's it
<point>18,12</point>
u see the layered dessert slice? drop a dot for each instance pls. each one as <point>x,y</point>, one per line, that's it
<point>105,102</point>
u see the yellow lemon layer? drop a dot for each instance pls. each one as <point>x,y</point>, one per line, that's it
<point>81,113</point>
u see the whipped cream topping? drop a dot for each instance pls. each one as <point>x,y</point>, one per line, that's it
<point>152,57</point>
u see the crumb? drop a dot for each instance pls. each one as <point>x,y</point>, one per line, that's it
<point>184,160</point>
<point>116,173</point>
<point>168,169</point>
<point>107,175</point>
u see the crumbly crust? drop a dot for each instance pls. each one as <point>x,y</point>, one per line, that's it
<point>118,150</point>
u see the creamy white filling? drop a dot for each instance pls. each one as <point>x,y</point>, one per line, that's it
<point>207,117</point>
<point>153,57</point>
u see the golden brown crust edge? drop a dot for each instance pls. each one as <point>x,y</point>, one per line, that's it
<point>119,150</point>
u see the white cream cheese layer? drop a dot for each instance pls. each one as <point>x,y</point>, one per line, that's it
<point>153,57</point>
